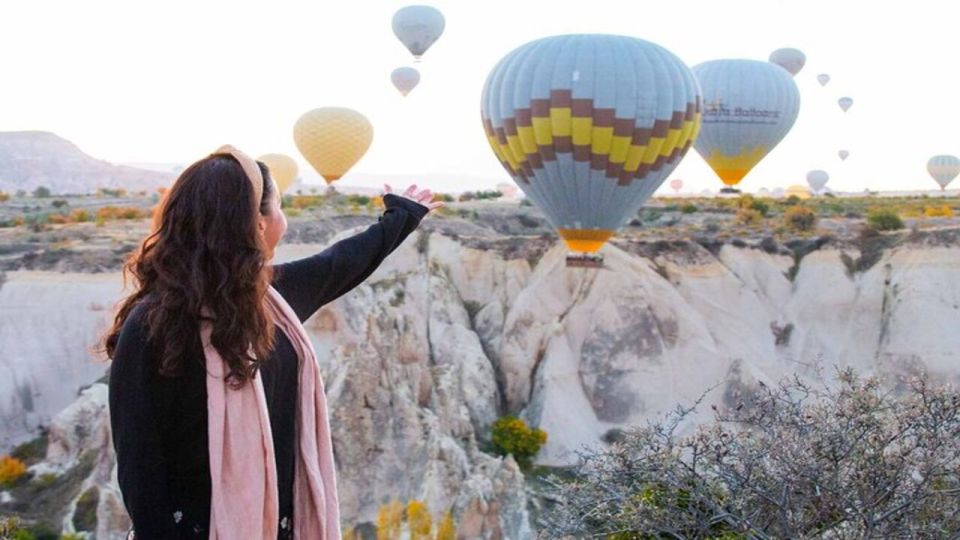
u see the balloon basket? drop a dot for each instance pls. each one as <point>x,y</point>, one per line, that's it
<point>584,260</point>
<point>730,190</point>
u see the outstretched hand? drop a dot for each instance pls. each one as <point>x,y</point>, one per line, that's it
<point>424,196</point>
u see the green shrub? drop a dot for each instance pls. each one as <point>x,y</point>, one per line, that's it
<point>748,201</point>
<point>512,435</point>
<point>41,192</point>
<point>800,218</point>
<point>884,219</point>
<point>689,208</point>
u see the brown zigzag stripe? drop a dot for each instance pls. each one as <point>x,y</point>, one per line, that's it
<point>600,118</point>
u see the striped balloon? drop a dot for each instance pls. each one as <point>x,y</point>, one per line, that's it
<point>823,79</point>
<point>943,169</point>
<point>749,106</point>
<point>844,154</point>
<point>845,103</point>
<point>589,126</point>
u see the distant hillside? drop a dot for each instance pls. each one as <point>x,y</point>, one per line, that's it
<point>30,159</point>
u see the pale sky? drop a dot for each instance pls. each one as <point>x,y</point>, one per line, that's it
<point>167,82</point>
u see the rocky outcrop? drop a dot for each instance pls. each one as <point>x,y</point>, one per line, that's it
<point>455,331</point>
<point>30,159</point>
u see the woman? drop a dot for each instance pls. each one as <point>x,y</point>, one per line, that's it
<point>216,404</point>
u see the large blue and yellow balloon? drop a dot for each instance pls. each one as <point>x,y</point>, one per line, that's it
<point>589,126</point>
<point>749,106</point>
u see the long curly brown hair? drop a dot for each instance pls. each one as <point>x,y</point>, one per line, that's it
<point>204,255</point>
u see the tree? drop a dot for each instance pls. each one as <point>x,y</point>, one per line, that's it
<point>884,219</point>
<point>850,460</point>
<point>41,192</point>
<point>447,529</point>
<point>512,435</point>
<point>419,521</point>
<point>800,218</point>
<point>389,520</point>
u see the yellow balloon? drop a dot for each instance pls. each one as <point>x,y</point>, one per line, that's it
<point>283,169</point>
<point>333,139</point>
<point>802,192</point>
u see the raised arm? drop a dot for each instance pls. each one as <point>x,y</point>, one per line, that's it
<point>135,422</point>
<point>307,284</point>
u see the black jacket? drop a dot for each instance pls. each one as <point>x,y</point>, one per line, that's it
<point>159,423</point>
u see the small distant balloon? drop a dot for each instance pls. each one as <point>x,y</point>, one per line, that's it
<point>676,185</point>
<point>844,154</point>
<point>283,169</point>
<point>823,79</point>
<point>817,180</point>
<point>405,79</point>
<point>791,60</point>
<point>943,169</point>
<point>845,103</point>
<point>418,27</point>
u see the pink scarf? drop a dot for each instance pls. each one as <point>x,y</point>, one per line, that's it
<point>242,463</point>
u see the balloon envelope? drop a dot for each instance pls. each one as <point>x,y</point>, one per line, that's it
<point>749,106</point>
<point>943,169</point>
<point>823,79</point>
<point>676,184</point>
<point>791,60</point>
<point>589,126</point>
<point>844,154</point>
<point>405,79</point>
<point>283,169</point>
<point>418,27</point>
<point>332,139</point>
<point>817,180</point>
<point>845,103</point>
<point>802,192</point>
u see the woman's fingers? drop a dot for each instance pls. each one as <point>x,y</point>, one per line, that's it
<point>410,191</point>
<point>387,188</point>
<point>425,196</point>
<point>434,205</point>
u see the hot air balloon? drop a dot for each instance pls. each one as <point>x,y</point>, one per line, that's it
<point>943,169</point>
<point>332,139</point>
<point>798,191</point>
<point>283,169</point>
<point>817,180</point>
<point>417,27</point>
<point>676,185</point>
<point>405,79</point>
<point>791,60</point>
<point>749,106</point>
<point>509,190</point>
<point>589,126</point>
<point>844,154</point>
<point>845,103</point>
<point>823,79</point>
